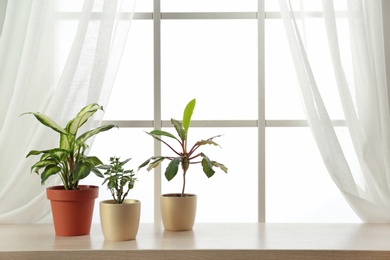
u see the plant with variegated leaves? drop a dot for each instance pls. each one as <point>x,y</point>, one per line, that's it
<point>183,156</point>
<point>69,159</point>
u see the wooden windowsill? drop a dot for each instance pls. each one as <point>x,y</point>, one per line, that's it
<point>206,241</point>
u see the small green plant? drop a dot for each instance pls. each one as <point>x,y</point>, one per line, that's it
<point>69,159</point>
<point>183,156</point>
<point>119,181</point>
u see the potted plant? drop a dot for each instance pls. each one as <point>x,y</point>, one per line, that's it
<point>72,204</point>
<point>178,210</point>
<point>119,217</point>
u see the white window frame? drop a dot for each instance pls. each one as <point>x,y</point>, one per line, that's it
<point>157,123</point>
<point>261,123</point>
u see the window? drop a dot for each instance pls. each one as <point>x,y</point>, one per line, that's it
<point>237,64</point>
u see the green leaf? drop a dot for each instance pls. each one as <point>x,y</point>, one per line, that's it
<point>94,160</point>
<point>104,167</point>
<point>111,184</point>
<point>66,141</point>
<point>82,138</point>
<point>179,129</point>
<point>157,133</point>
<point>106,180</point>
<point>82,117</point>
<point>145,163</point>
<point>47,121</point>
<point>57,154</point>
<point>172,168</point>
<point>209,141</point>
<point>124,162</point>
<point>220,165</point>
<point>155,163</point>
<point>49,171</point>
<point>89,108</point>
<point>33,152</point>
<point>79,150</point>
<point>81,170</point>
<point>188,114</point>
<point>97,172</point>
<point>207,166</point>
<point>42,163</point>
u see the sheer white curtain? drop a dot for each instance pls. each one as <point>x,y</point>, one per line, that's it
<point>364,182</point>
<point>55,57</point>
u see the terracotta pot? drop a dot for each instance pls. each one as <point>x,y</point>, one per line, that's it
<point>178,213</point>
<point>120,221</point>
<point>72,210</point>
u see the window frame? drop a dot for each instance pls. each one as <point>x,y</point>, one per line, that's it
<point>261,123</point>
<point>157,123</point>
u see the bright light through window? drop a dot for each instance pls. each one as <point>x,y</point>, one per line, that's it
<point>216,61</point>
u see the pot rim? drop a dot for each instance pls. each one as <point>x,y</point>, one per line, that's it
<point>82,187</point>
<point>177,195</point>
<point>86,192</point>
<point>112,202</point>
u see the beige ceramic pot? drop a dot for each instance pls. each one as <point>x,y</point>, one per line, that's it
<point>178,213</point>
<point>120,221</point>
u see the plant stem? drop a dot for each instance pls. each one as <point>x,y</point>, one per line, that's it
<point>71,168</point>
<point>193,157</point>
<point>169,145</point>
<point>184,182</point>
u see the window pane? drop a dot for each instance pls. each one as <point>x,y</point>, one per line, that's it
<point>299,188</point>
<point>144,6</point>
<point>282,89</point>
<point>213,61</point>
<point>321,63</point>
<point>224,197</point>
<point>134,82</point>
<point>65,34</point>
<point>77,5</point>
<point>69,5</point>
<point>307,5</point>
<point>126,143</point>
<point>209,5</point>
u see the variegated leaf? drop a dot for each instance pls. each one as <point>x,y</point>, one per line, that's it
<point>82,117</point>
<point>221,166</point>
<point>47,121</point>
<point>155,163</point>
<point>81,170</point>
<point>144,163</point>
<point>42,163</point>
<point>82,138</point>
<point>49,171</point>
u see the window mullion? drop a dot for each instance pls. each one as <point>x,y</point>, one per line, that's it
<point>157,103</point>
<point>261,110</point>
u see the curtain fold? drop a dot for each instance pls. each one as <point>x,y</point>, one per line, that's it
<point>364,100</point>
<point>56,56</point>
